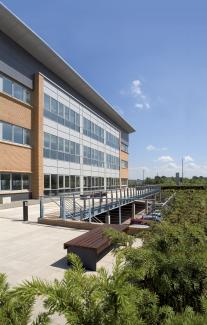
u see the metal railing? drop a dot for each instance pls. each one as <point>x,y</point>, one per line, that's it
<point>89,205</point>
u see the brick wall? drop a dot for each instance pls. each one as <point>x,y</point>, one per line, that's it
<point>124,171</point>
<point>15,158</point>
<point>13,112</point>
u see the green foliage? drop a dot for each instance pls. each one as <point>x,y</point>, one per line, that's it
<point>189,317</point>
<point>162,283</point>
<point>82,299</point>
<point>119,238</point>
<point>12,310</point>
<point>172,264</point>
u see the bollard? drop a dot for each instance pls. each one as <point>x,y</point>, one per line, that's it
<point>41,207</point>
<point>25,210</point>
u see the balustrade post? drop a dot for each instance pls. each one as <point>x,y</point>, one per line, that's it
<point>120,212</point>
<point>89,210</point>
<point>100,202</point>
<point>41,207</point>
<point>93,206</point>
<point>133,210</point>
<point>74,209</point>
<point>84,206</point>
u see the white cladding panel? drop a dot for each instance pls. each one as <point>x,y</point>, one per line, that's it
<point>52,166</point>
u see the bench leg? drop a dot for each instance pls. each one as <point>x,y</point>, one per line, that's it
<point>88,256</point>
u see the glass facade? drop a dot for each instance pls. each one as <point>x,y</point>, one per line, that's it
<point>124,147</point>
<point>112,182</point>
<point>14,89</point>
<point>61,114</point>
<point>14,182</point>
<point>112,140</point>
<point>15,134</point>
<point>55,184</point>
<point>112,162</point>
<point>61,149</point>
<point>92,130</point>
<point>93,183</point>
<point>124,164</point>
<point>93,157</point>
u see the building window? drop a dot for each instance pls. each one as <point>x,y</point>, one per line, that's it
<point>124,164</point>
<point>93,157</point>
<point>112,183</point>
<point>112,140</point>
<point>15,90</point>
<point>46,181</point>
<point>61,149</point>
<point>55,184</point>
<point>124,147</point>
<point>7,85</point>
<point>5,182</point>
<point>7,132</point>
<point>56,111</point>
<point>112,162</point>
<point>18,134</point>
<point>25,182</point>
<point>93,183</point>
<point>124,181</point>
<point>14,182</point>
<point>61,182</point>
<point>92,130</point>
<point>15,134</point>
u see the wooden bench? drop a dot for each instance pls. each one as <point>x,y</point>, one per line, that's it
<point>93,245</point>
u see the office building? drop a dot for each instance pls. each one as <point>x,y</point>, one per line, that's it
<point>57,134</point>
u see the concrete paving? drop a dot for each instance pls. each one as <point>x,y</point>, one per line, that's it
<point>29,249</point>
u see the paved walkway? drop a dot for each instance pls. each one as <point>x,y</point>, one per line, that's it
<point>29,249</point>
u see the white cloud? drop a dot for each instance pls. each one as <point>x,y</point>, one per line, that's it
<point>136,88</point>
<point>151,147</point>
<point>165,159</point>
<point>140,106</point>
<point>136,91</point>
<point>188,158</point>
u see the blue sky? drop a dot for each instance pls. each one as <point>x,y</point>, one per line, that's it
<point>148,59</point>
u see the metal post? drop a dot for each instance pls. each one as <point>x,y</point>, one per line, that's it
<point>120,212</point>
<point>93,211</point>
<point>25,210</point>
<point>89,210</point>
<point>63,207</point>
<point>84,206</point>
<point>133,210</point>
<point>41,207</point>
<point>146,206</point>
<point>111,198</point>
<point>116,196</point>
<point>100,202</point>
<point>107,218</point>
<point>74,212</point>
